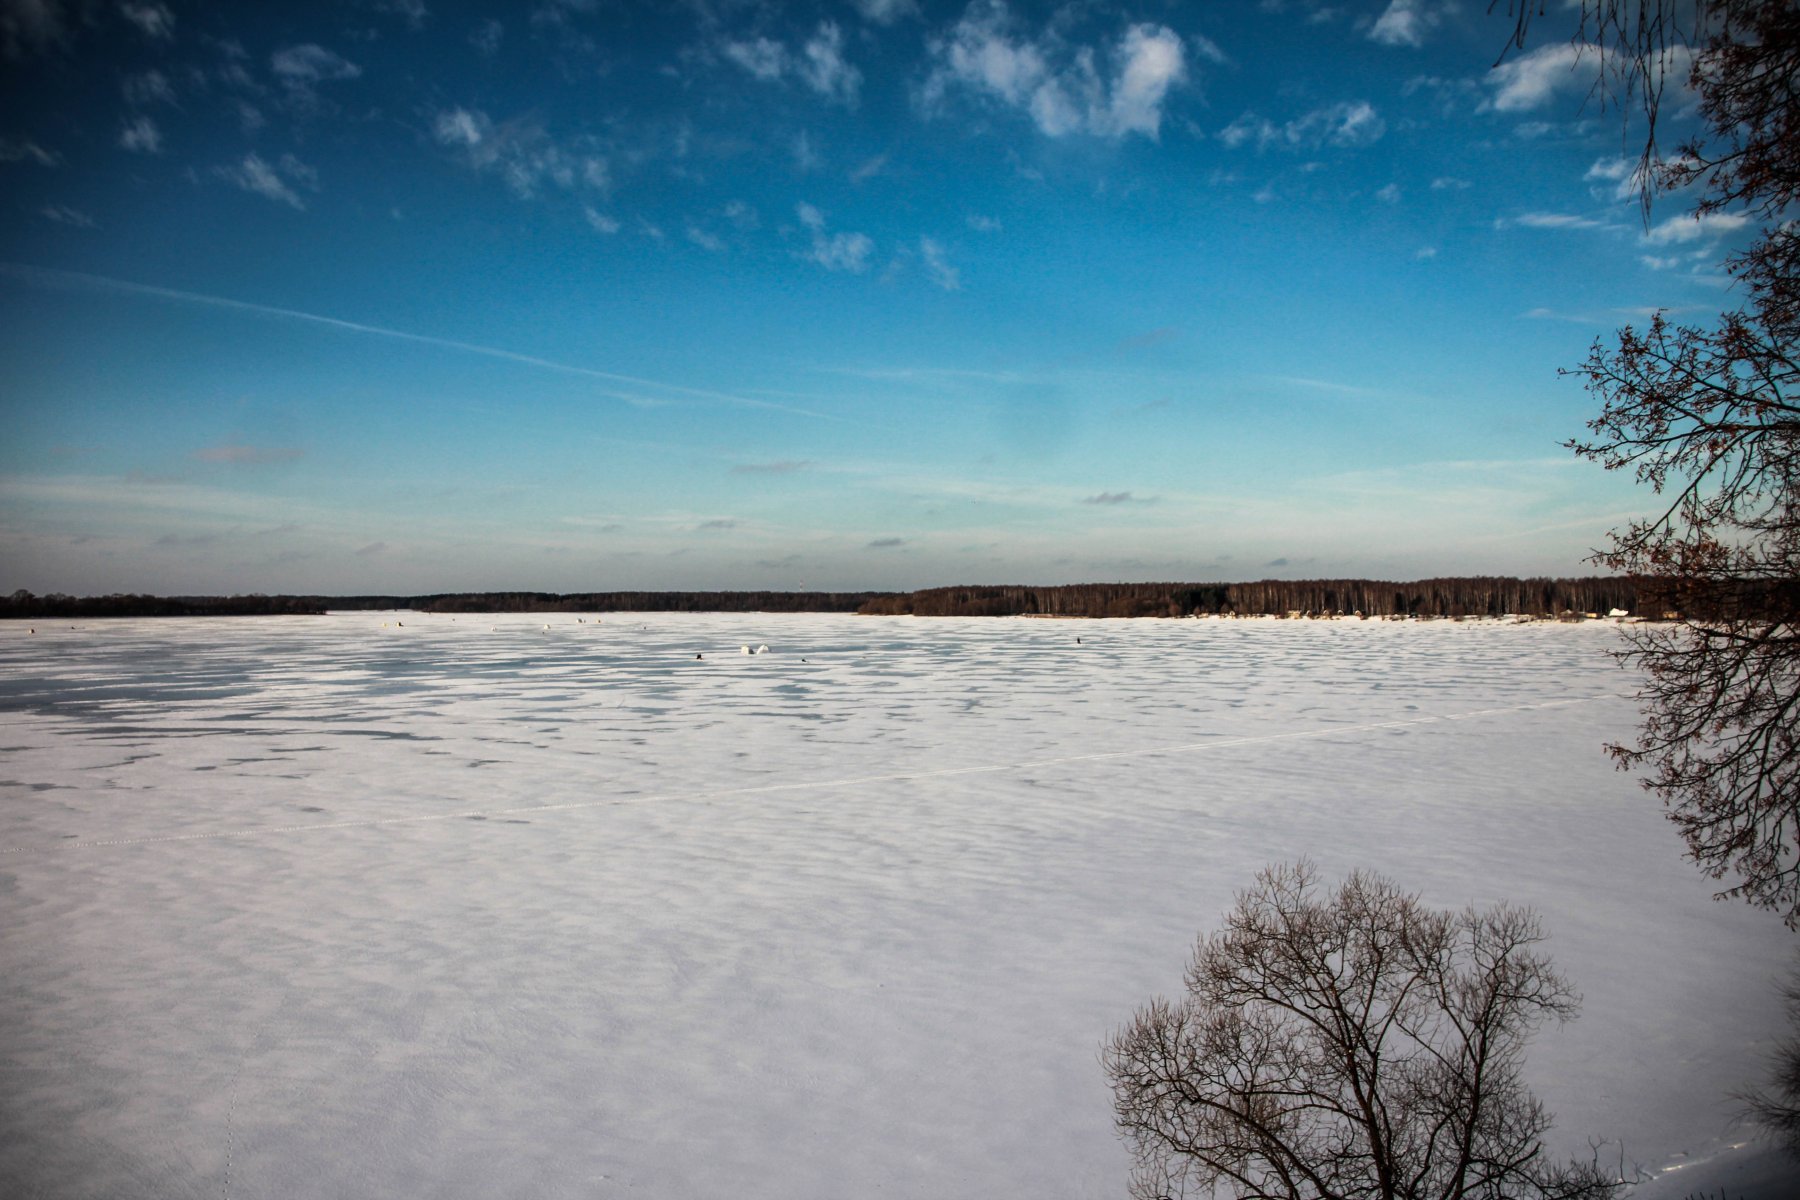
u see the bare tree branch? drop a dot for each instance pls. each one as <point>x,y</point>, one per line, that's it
<point>1350,1046</point>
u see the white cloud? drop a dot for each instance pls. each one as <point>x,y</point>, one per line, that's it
<point>62,214</point>
<point>869,169</point>
<point>272,181</point>
<point>704,240</point>
<point>487,36</point>
<point>1348,123</point>
<point>141,136</point>
<point>153,20</point>
<point>1249,127</point>
<point>460,127</point>
<point>1682,229</point>
<point>979,53</point>
<point>1532,80</point>
<point>1623,174</point>
<point>1425,252</point>
<point>823,67</point>
<point>150,87</point>
<point>243,455</point>
<point>742,216</point>
<point>15,150</point>
<point>819,63</point>
<point>1150,62</point>
<point>939,268</point>
<point>1448,183</point>
<point>599,220</point>
<point>307,64</point>
<point>1548,220</point>
<point>986,52</point>
<point>1406,22</point>
<point>886,12</point>
<point>983,224</point>
<point>806,159</point>
<point>1613,169</point>
<point>764,58</point>
<point>1389,194</point>
<point>413,12</point>
<point>519,151</point>
<point>834,251</point>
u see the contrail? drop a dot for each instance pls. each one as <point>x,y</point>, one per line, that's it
<point>51,277</point>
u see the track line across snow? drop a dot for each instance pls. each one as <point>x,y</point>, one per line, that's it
<point>808,785</point>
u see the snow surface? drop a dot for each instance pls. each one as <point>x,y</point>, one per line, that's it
<point>405,905</point>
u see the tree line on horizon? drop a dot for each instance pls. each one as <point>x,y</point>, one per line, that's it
<point>1472,596</point>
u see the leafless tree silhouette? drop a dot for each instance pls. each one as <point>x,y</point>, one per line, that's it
<point>1350,1046</point>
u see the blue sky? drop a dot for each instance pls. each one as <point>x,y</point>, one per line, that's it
<point>406,295</point>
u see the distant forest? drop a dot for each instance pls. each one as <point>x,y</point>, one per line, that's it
<point>1478,596</point>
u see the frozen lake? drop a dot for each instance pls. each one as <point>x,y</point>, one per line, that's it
<point>406,905</point>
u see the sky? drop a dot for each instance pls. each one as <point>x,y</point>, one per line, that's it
<point>401,296</point>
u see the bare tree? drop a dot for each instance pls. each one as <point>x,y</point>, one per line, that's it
<point>1709,418</point>
<point>1357,1045</point>
<point>1776,1107</point>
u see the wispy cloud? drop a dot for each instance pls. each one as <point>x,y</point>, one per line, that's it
<point>834,251</point>
<point>1324,385</point>
<point>413,12</point>
<point>62,214</point>
<point>886,543</point>
<point>308,64</point>
<point>242,455</point>
<point>938,266</point>
<point>153,20</point>
<point>1688,228</point>
<point>141,136</point>
<point>1116,498</point>
<point>43,276</point>
<point>1532,80</point>
<point>886,12</point>
<point>1621,174</point>
<point>1549,220</point>
<point>1348,124</point>
<point>989,53</point>
<point>19,150</point>
<point>783,466</point>
<point>273,181</point>
<point>520,151</point>
<point>704,239</point>
<point>819,62</point>
<point>1408,22</point>
<point>147,87</point>
<point>487,37</point>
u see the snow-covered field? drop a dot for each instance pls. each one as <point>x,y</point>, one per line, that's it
<point>405,905</point>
